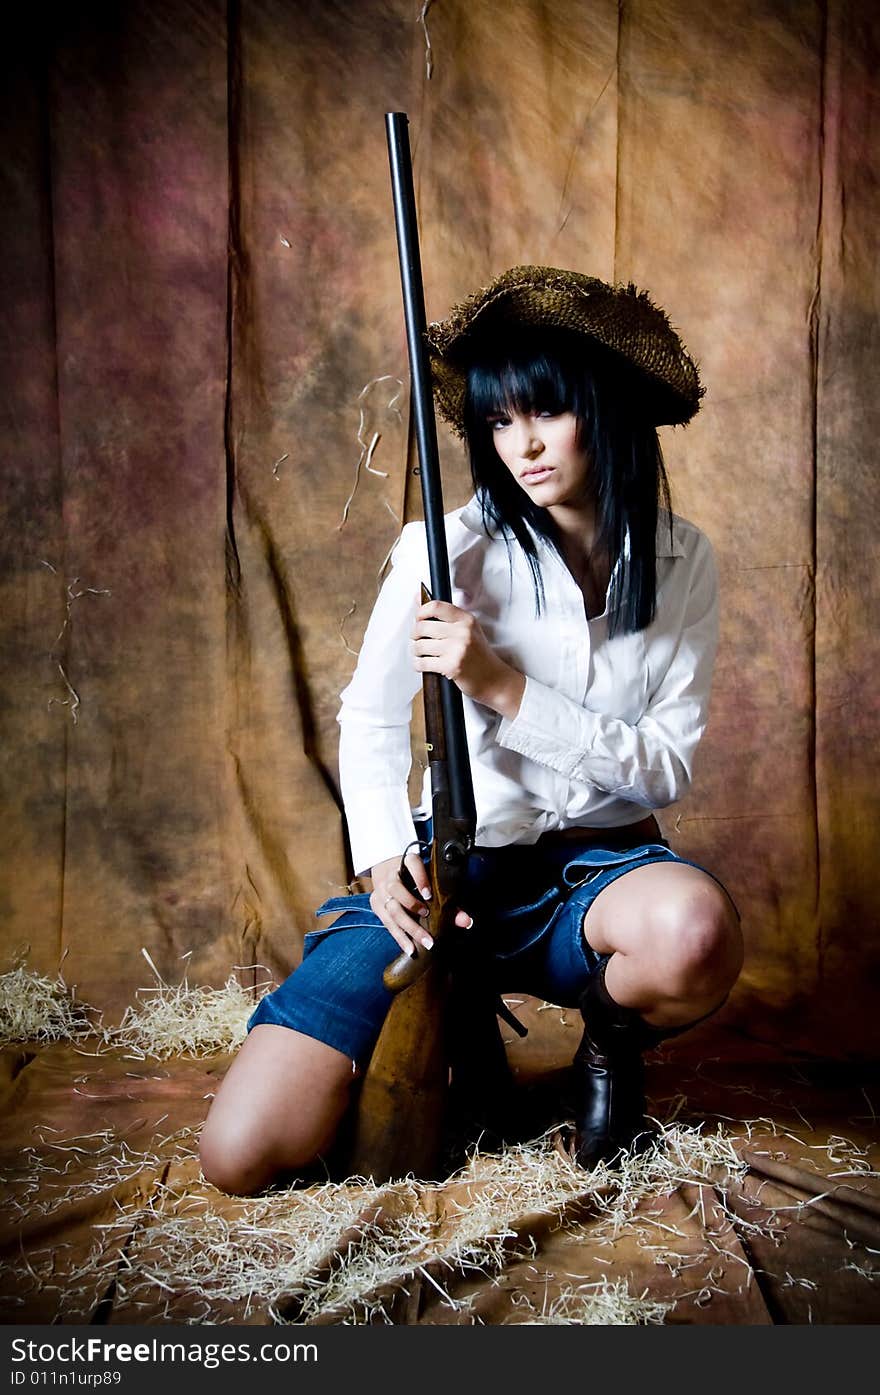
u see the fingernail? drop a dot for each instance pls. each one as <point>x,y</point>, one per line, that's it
<point>427,944</point>
<point>423,910</point>
<point>427,894</point>
<point>470,924</point>
<point>411,951</point>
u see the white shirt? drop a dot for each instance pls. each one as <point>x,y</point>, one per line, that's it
<point>606,729</point>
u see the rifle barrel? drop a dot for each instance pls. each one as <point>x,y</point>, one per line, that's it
<point>461,790</point>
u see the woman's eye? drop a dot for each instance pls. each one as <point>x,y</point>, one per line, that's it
<point>495,422</point>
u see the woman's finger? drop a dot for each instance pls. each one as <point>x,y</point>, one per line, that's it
<point>427,629</point>
<point>405,941</point>
<point>430,645</point>
<point>412,923</point>
<point>402,913</point>
<point>428,648</point>
<point>418,934</point>
<point>393,900</point>
<point>386,908</point>
<point>439,610</point>
<point>415,905</point>
<point>419,873</point>
<point>406,931</point>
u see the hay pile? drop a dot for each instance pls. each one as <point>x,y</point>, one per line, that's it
<point>183,1021</point>
<point>167,1020</point>
<point>38,1009</point>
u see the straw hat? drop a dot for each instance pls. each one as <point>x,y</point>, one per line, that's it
<point>620,318</point>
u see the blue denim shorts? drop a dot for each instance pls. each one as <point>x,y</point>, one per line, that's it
<point>528,902</point>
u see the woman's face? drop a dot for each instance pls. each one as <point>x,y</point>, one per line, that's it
<point>541,451</point>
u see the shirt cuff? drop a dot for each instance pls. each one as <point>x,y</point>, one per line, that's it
<point>550,728</point>
<point>380,825</point>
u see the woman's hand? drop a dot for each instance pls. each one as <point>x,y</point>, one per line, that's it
<point>399,910</point>
<point>448,640</point>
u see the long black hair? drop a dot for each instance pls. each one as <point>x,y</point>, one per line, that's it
<point>552,370</point>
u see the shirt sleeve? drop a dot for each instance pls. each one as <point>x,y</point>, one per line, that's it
<point>374,718</point>
<point>649,762</point>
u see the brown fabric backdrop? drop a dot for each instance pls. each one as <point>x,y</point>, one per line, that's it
<point>202,326</point>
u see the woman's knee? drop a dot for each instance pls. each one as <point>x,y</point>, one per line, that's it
<point>277,1109</point>
<point>241,1154</point>
<point>232,1162</point>
<point>700,940</point>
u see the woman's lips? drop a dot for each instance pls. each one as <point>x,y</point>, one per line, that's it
<point>536,476</point>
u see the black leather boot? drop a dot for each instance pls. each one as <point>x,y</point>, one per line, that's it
<point>610,1076</point>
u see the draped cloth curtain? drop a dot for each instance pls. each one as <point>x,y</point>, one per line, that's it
<point>205,456</point>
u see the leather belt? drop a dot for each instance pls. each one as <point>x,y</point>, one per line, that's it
<point>647,830</point>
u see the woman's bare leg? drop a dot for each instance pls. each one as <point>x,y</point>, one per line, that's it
<point>278,1107</point>
<point>675,941</point>
<point>675,949</point>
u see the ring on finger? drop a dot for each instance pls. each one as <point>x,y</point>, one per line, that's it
<point>387,902</point>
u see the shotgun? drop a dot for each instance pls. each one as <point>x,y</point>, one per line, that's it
<point>403,1100</point>
<point>452,791</point>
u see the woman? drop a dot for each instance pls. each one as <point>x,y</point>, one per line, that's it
<point>582,635</point>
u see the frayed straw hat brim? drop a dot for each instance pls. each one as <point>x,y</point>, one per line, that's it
<point>621,319</point>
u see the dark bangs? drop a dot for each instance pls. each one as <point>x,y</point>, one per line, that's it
<point>527,374</point>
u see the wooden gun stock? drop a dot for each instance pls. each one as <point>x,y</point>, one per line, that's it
<point>401,1113</point>
<point>402,1108</point>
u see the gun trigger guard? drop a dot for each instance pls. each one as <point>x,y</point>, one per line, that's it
<point>403,871</point>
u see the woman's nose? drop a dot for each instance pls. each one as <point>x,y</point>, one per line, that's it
<point>530,440</point>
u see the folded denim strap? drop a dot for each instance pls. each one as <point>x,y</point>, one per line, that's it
<point>596,859</point>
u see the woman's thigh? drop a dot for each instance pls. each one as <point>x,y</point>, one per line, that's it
<point>618,909</point>
<point>674,938</point>
<point>337,995</point>
<point>637,915</point>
